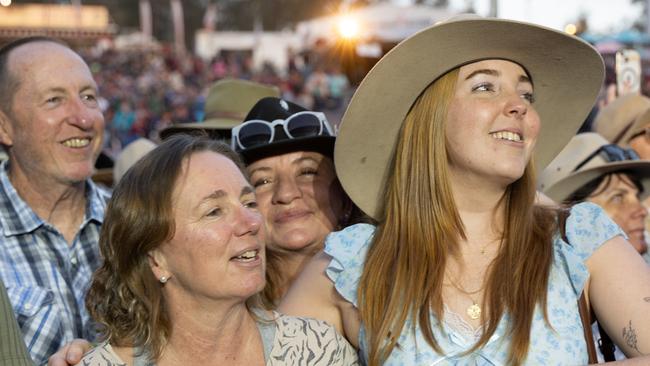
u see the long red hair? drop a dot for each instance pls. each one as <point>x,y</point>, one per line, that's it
<point>421,228</point>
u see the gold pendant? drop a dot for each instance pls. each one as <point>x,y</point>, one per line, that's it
<point>474,311</point>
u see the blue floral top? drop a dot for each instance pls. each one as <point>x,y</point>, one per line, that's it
<point>587,228</point>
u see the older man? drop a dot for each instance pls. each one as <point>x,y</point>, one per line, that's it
<point>50,211</point>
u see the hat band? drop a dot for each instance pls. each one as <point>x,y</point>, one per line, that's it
<point>617,139</point>
<point>610,153</point>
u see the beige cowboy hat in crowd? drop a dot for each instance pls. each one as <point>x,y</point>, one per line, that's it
<point>226,106</point>
<point>561,178</point>
<point>130,155</point>
<point>567,74</point>
<point>623,118</point>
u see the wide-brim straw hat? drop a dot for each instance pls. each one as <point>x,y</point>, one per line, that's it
<point>226,105</point>
<point>623,118</point>
<point>566,72</point>
<point>560,178</point>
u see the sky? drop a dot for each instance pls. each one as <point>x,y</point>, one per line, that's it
<point>603,16</point>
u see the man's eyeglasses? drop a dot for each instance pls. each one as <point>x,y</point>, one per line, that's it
<point>259,132</point>
<point>610,153</point>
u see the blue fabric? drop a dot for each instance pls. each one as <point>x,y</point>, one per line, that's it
<point>47,279</point>
<point>587,228</point>
<point>267,328</point>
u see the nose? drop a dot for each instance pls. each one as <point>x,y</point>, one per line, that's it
<point>81,115</point>
<point>248,222</point>
<point>515,106</point>
<point>285,190</point>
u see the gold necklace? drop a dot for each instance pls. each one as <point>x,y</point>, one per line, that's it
<point>474,310</point>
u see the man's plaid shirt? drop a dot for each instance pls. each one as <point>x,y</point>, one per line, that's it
<point>47,279</point>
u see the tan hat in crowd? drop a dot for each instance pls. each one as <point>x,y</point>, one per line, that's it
<point>130,155</point>
<point>620,119</point>
<point>125,159</point>
<point>560,178</point>
<point>567,74</point>
<point>226,105</point>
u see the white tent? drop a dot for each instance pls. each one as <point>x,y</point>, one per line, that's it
<point>382,22</point>
<point>270,47</point>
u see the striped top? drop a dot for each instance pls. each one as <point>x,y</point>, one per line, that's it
<point>46,278</point>
<point>287,340</point>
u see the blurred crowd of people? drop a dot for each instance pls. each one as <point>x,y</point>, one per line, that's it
<point>144,91</point>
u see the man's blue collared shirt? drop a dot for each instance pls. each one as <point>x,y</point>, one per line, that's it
<point>46,278</point>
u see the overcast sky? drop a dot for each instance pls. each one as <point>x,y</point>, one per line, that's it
<point>603,15</point>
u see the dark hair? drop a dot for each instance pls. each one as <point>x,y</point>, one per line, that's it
<point>125,297</point>
<point>9,83</point>
<point>590,188</point>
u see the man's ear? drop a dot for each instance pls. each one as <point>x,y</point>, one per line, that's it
<point>6,129</point>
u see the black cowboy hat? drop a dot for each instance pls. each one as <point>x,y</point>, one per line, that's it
<point>272,109</point>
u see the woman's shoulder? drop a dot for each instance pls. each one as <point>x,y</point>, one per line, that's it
<point>588,227</point>
<point>348,249</point>
<point>102,355</point>
<point>349,246</point>
<point>307,341</point>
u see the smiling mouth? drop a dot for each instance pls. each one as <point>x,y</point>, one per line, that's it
<point>77,143</point>
<point>289,216</point>
<point>247,256</point>
<point>507,135</point>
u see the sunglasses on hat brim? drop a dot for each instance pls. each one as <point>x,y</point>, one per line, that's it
<point>257,132</point>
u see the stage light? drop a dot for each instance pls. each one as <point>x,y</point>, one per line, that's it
<point>348,27</point>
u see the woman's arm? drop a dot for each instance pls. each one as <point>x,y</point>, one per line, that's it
<point>313,295</point>
<point>619,293</point>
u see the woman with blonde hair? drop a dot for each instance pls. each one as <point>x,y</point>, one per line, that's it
<point>464,268</point>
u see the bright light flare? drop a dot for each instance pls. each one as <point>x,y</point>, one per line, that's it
<point>348,27</point>
<point>5,2</point>
<point>571,29</point>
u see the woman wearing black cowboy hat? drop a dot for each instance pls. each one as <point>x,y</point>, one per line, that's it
<point>288,151</point>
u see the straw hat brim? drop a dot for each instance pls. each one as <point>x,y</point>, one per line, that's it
<point>566,72</point>
<point>566,186</point>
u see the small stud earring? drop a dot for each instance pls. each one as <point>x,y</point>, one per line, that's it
<point>163,279</point>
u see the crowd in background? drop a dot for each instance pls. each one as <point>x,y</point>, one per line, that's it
<point>144,91</point>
